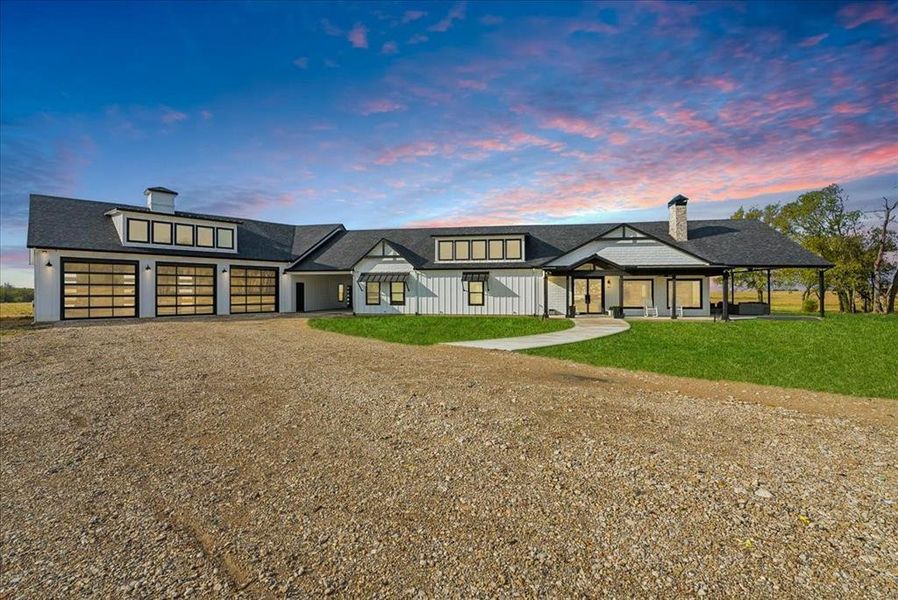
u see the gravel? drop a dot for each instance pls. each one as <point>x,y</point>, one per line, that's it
<point>260,458</point>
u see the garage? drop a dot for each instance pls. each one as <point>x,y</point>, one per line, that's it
<point>98,289</point>
<point>185,289</point>
<point>254,290</point>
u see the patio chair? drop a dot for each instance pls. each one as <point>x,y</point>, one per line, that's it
<point>649,310</point>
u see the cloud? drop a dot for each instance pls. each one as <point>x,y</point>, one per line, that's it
<point>382,105</point>
<point>170,116</point>
<point>14,267</point>
<point>574,125</point>
<point>206,114</point>
<point>410,151</point>
<point>331,64</point>
<point>331,29</point>
<point>418,38</point>
<point>471,84</point>
<point>301,63</point>
<point>412,15</point>
<point>389,48</point>
<point>855,15</point>
<point>812,41</point>
<point>358,36</point>
<point>456,13</point>
<point>848,108</point>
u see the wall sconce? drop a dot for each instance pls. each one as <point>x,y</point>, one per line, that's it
<point>225,270</point>
<point>147,268</point>
<point>49,264</point>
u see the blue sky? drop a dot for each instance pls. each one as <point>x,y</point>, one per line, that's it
<point>403,114</point>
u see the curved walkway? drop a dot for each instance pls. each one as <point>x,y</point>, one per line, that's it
<point>583,329</point>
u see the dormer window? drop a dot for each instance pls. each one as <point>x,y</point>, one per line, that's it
<point>205,236</point>
<point>162,233</point>
<point>138,230</point>
<point>226,238</point>
<point>504,248</point>
<point>183,234</point>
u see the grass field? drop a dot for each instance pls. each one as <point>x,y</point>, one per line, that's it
<point>425,330</point>
<point>784,301</point>
<point>15,310</point>
<point>847,354</point>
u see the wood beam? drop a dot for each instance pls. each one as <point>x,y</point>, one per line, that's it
<point>725,311</point>
<point>673,296</point>
<point>822,285</point>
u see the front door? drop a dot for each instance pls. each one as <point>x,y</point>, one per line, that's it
<point>300,297</point>
<point>588,295</point>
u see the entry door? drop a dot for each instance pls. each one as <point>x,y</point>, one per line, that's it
<point>300,297</point>
<point>588,295</point>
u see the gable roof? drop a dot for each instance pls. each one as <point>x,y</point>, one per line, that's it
<point>70,224</point>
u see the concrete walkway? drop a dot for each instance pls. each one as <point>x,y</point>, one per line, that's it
<point>585,328</point>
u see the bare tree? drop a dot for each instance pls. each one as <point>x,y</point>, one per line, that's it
<point>891,293</point>
<point>884,242</point>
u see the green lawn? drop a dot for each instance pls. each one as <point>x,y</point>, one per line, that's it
<point>848,354</point>
<point>424,330</point>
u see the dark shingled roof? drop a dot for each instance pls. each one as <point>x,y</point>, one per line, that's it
<point>70,224</point>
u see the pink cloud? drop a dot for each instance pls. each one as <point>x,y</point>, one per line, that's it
<point>389,48</point>
<point>848,108</point>
<point>382,105</point>
<point>723,84</point>
<point>687,119</point>
<point>574,125</point>
<point>618,138</point>
<point>855,15</point>
<point>404,152</point>
<point>170,116</point>
<point>591,27</point>
<point>358,36</point>
<point>813,40</point>
<point>412,15</point>
<point>471,84</point>
<point>418,38</point>
<point>456,13</point>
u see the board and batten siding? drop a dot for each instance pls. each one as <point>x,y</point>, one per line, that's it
<point>321,291</point>
<point>383,264</point>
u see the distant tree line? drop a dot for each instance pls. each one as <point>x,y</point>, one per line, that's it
<point>8,293</point>
<point>863,250</point>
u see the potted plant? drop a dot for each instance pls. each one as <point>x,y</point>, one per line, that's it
<point>617,312</point>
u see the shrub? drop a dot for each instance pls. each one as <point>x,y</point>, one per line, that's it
<point>809,305</point>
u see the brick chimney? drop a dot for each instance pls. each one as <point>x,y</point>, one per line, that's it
<point>676,211</point>
<point>160,199</point>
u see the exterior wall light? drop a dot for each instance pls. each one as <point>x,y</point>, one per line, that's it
<point>49,264</point>
<point>147,268</point>
<point>224,270</point>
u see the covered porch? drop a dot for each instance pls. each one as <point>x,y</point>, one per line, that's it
<point>320,291</point>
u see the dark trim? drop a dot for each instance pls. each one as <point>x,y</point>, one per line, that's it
<point>187,264</point>
<point>486,251</point>
<point>601,280</point>
<point>520,242</point>
<point>624,281</point>
<point>196,236</point>
<point>482,294</point>
<point>171,232</point>
<point>128,230</point>
<point>393,302</point>
<point>141,209</point>
<point>368,283</point>
<point>192,243</point>
<point>166,252</point>
<point>67,259</point>
<point>447,262</point>
<point>218,243</point>
<point>277,290</point>
<point>701,293</point>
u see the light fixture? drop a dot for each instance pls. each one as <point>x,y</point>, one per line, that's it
<point>147,268</point>
<point>49,264</point>
<point>224,270</point>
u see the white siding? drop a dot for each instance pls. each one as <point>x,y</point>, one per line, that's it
<point>629,252</point>
<point>558,295</point>
<point>321,291</point>
<point>384,264</point>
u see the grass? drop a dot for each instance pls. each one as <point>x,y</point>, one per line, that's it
<point>15,310</point>
<point>426,330</point>
<point>784,301</point>
<point>847,354</point>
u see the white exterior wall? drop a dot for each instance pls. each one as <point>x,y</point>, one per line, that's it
<point>611,296</point>
<point>385,264</point>
<point>558,295</point>
<point>47,280</point>
<point>320,291</point>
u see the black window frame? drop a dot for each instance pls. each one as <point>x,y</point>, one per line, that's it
<point>651,281</point>
<point>176,295</point>
<point>402,287</point>
<point>231,294</point>
<point>367,287</point>
<point>70,259</point>
<point>701,292</point>
<point>218,243</point>
<point>192,243</point>
<point>451,250</point>
<point>455,245</point>
<point>520,244</point>
<point>482,293</point>
<point>485,250</point>
<point>196,236</point>
<point>171,233</point>
<point>128,230</point>
<point>501,245</point>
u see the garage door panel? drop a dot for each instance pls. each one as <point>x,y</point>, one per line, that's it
<point>98,289</point>
<point>178,291</point>
<point>253,289</point>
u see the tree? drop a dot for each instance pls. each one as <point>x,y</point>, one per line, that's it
<point>885,242</point>
<point>756,280</point>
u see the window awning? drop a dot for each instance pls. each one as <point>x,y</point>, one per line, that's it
<point>475,276</point>
<point>383,277</point>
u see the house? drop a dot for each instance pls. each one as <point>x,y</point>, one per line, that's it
<point>107,260</point>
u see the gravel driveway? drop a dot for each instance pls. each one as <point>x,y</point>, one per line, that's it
<point>263,458</point>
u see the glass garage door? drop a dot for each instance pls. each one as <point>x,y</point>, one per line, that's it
<point>185,289</point>
<point>97,290</point>
<point>254,290</point>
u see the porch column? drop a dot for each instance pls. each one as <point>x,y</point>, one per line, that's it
<point>545,295</point>
<point>673,296</point>
<point>620,292</point>
<point>725,311</point>
<point>567,296</point>
<point>822,285</point>
<point>769,295</point>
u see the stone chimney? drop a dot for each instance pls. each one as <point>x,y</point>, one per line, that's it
<point>676,211</point>
<point>160,199</point>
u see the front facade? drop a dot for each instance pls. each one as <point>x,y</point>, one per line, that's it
<point>95,260</point>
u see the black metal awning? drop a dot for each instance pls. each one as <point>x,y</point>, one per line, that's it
<point>475,276</point>
<point>383,277</point>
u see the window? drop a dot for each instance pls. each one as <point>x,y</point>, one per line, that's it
<point>397,292</point>
<point>462,250</point>
<point>341,293</point>
<point>497,249</point>
<point>475,293</point>
<point>138,230</point>
<point>254,290</point>
<point>689,293</point>
<point>161,232</point>
<point>185,289</point>
<point>372,293</point>
<point>226,238</point>
<point>513,249</point>
<point>93,290</point>
<point>444,250</point>
<point>639,293</point>
<point>205,236</point>
<point>183,234</point>
<point>478,249</point>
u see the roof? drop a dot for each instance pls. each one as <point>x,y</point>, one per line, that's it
<point>70,224</point>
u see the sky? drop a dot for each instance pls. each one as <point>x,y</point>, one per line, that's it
<point>410,114</point>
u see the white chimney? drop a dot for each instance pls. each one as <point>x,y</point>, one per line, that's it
<point>160,199</point>
<point>676,210</point>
